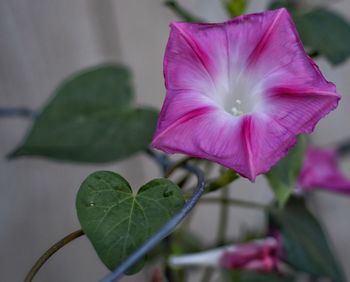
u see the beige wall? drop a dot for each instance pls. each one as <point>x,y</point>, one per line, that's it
<point>41,42</point>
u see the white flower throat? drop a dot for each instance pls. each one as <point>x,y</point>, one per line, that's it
<point>241,97</point>
<point>236,111</point>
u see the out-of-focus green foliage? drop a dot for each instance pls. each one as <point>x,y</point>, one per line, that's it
<point>306,246</point>
<point>91,119</point>
<point>235,8</point>
<point>322,31</point>
<point>182,13</point>
<point>185,242</point>
<point>284,175</point>
<point>290,5</point>
<point>326,32</point>
<point>116,221</point>
<point>237,276</point>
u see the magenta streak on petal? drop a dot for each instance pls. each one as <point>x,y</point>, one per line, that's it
<point>247,137</point>
<point>313,104</point>
<point>264,41</point>
<point>280,90</point>
<point>188,116</point>
<point>201,55</point>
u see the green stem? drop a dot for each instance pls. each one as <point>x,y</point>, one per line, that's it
<point>169,273</point>
<point>222,229</point>
<point>236,202</point>
<point>174,167</point>
<point>223,180</point>
<point>40,262</point>
<point>207,274</point>
<point>223,217</point>
<point>226,178</point>
<point>183,181</point>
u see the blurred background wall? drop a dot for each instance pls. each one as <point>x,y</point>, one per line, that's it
<point>41,42</point>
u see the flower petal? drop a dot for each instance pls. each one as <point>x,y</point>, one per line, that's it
<point>192,59</point>
<point>188,133</point>
<point>250,145</point>
<point>279,58</point>
<point>248,35</point>
<point>258,57</point>
<point>266,141</point>
<point>300,110</point>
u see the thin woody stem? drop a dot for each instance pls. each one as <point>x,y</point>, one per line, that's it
<point>40,262</point>
<point>236,202</point>
<point>16,112</point>
<point>175,166</point>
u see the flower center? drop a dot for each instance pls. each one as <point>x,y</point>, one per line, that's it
<point>236,110</point>
<point>241,97</point>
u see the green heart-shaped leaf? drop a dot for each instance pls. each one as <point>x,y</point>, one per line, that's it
<point>116,221</point>
<point>91,119</point>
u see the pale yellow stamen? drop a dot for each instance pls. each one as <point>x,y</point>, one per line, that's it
<point>236,111</point>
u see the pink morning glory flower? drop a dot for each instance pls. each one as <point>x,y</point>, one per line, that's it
<point>239,92</point>
<point>260,255</point>
<point>253,257</point>
<point>321,171</point>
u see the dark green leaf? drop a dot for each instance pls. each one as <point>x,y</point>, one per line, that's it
<point>283,176</point>
<point>181,12</point>
<point>326,32</point>
<point>236,276</point>
<point>91,119</point>
<point>235,8</point>
<point>322,31</point>
<point>290,5</point>
<point>306,246</point>
<point>116,221</point>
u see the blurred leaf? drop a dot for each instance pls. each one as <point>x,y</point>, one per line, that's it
<point>284,175</point>
<point>91,119</point>
<point>116,221</point>
<point>181,12</point>
<point>290,5</point>
<point>325,32</point>
<point>306,247</point>
<point>245,276</point>
<point>235,8</point>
